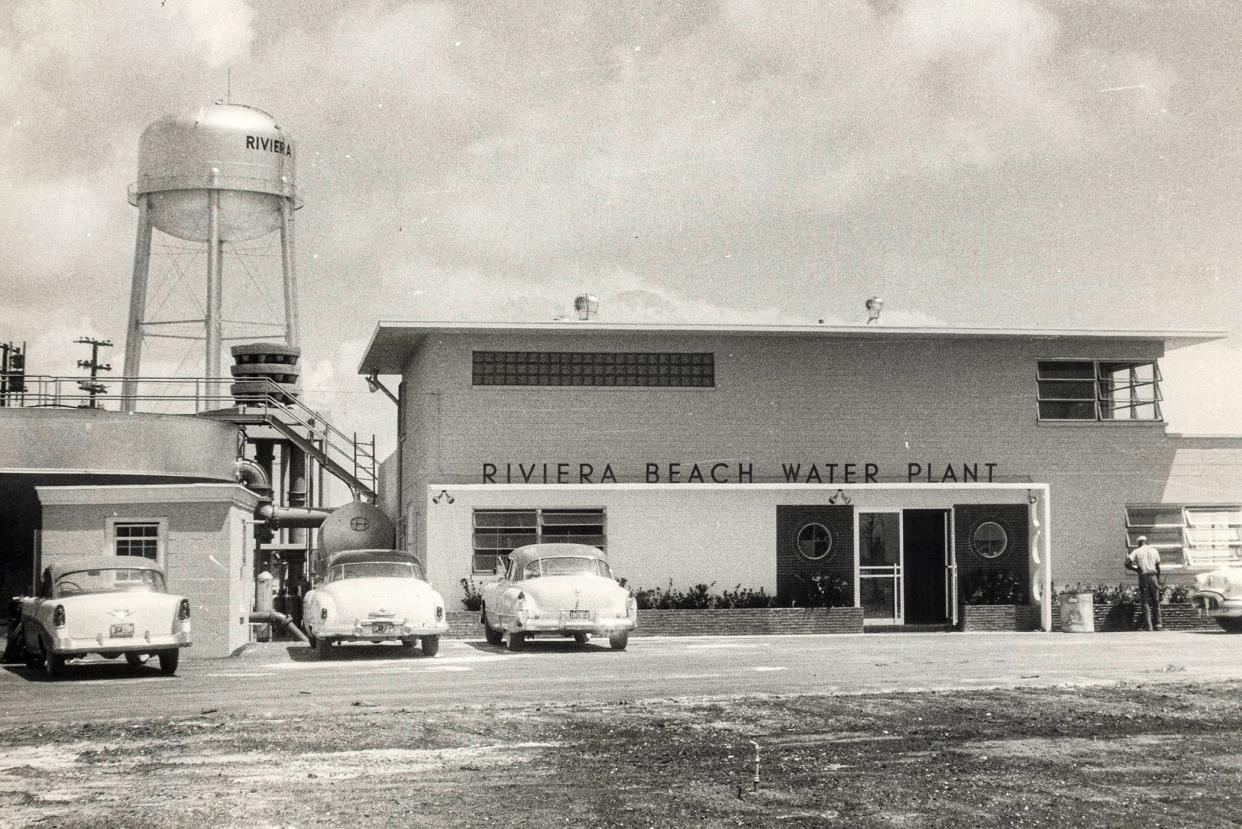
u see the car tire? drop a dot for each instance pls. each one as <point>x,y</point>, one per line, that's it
<point>582,638</point>
<point>54,664</point>
<point>431,645</point>
<point>617,641</point>
<point>323,648</point>
<point>136,660</point>
<point>409,643</point>
<point>34,661</point>
<point>490,633</point>
<point>1230,625</point>
<point>169,660</point>
<point>311,640</point>
<point>517,641</point>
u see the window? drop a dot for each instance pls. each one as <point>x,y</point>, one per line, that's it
<point>1098,390</point>
<point>1188,535</point>
<point>498,532</point>
<point>137,538</point>
<point>589,368</point>
<point>814,541</point>
<point>989,539</point>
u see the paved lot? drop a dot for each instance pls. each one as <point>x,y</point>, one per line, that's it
<point>287,678</point>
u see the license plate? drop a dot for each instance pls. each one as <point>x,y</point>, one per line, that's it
<point>381,627</point>
<point>580,614</point>
<point>121,631</point>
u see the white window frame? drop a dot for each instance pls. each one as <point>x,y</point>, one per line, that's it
<point>161,534</point>
<point>538,530</point>
<point>1099,397</point>
<point>1195,553</point>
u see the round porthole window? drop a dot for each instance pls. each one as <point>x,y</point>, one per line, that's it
<point>814,541</point>
<point>989,539</point>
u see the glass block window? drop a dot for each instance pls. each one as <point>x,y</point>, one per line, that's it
<point>498,532</point>
<point>137,538</point>
<point>591,368</point>
<point>1188,535</point>
<point>1099,390</point>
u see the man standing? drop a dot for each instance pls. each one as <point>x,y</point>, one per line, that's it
<point>1145,561</point>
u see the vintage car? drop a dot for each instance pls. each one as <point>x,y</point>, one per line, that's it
<point>557,590</point>
<point>1219,595</point>
<point>109,605</point>
<point>374,596</point>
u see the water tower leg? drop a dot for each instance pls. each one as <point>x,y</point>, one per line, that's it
<point>215,295</point>
<point>137,307</point>
<point>290,273</point>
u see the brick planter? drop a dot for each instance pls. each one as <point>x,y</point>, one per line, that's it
<point>465,624</point>
<point>998,617</point>
<point>1111,617</point>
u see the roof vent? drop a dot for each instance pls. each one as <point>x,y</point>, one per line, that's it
<point>586,306</point>
<point>874,306</point>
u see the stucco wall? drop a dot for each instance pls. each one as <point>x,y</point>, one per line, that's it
<point>207,556</point>
<point>690,534</point>
<point>805,399</point>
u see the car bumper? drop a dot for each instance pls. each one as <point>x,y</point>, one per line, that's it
<point>599,626</point>
<point>366,632</point>
<point>68,646</point>
<point>1217,606</point>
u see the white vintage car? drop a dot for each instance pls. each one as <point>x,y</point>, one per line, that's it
<point>374,596</point>
<point>558,590</point>
<point>110,605</point>
<point>1219,595</point>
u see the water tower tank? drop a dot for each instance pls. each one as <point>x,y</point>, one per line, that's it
<point>235,149</point>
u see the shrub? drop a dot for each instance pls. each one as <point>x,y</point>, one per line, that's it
<point>997,588</point>
<point>825,591</point>
<point>701,597</point>
<point>473,599</point>
<point>1127,593</point>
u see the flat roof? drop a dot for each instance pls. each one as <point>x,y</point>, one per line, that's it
<point>393,340</point>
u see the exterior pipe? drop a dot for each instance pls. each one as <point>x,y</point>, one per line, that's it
<point>271,617</point>
<point>252,476</point>
<point>292,516</point>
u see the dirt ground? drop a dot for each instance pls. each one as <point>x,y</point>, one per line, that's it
<point>1155,755</point>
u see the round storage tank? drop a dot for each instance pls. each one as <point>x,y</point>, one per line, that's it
<point>237,149</point>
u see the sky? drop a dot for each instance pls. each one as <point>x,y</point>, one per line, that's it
<point>997,163</point>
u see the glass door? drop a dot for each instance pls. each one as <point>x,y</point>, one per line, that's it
<point>880,577</point>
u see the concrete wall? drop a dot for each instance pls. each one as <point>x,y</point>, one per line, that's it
<point>207,554</point>
<point>95,441</point>
<point>806,399</point>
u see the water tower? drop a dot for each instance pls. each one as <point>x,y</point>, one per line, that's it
<point>215,174</point>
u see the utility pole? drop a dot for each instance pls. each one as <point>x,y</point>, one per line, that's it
<point>91,386</point>
<point>12,372</point>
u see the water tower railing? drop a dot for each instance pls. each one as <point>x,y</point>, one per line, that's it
<point>196,395</point>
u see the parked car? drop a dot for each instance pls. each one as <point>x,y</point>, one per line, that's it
<point>557,590</point>
<point>1219,594</point>
<point>374,596</point>
<point>111,605</point>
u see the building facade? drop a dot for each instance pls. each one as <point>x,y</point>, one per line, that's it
<point>908,468</point>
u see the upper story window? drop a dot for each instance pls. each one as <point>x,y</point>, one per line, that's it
<point>594,368</point>
<point>1098,390</point>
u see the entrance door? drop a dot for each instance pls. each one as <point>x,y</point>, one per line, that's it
<point>925,534</point>
<point>880,567</point>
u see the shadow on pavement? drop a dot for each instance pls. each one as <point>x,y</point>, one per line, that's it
<point>356,652</point>
<point>94,669</point>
